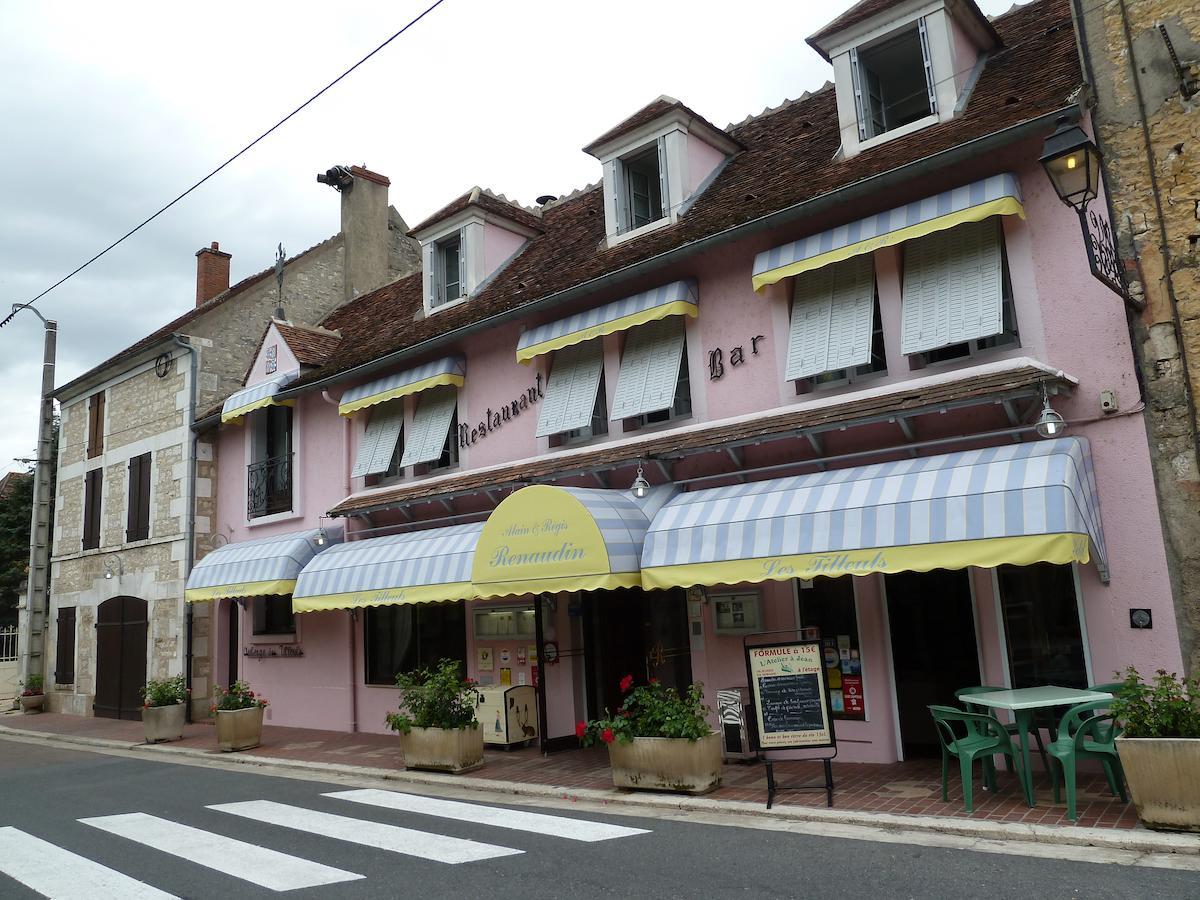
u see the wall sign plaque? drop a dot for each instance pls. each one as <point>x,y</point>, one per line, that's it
<point>270,651</point>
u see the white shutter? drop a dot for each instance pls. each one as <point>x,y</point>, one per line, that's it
<point>860,102</point>
<point>649,368</point>
<point>462,265</point>
<point>435,410</point>
<point>379,440</point>
<point>664,193</point>
<point>832,318</point>
<point>952,287</point>
<point>571,393</point>
<point>927,61</point>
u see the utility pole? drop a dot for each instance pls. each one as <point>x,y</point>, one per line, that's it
<point>32,619</point>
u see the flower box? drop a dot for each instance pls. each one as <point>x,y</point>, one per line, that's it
<point>667,764</point>
<point>1162,777</point>
<point>163,723</point>
<point>32,703</point>
<point>239,729</point>
<point>450,750</point>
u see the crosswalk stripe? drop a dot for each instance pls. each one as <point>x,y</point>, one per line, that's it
<point>54,872</point>
<point>249,862</point>
<point>538,823</point>
<point>370,834</point>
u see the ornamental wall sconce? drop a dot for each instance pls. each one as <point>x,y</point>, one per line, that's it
<point>113,568</point>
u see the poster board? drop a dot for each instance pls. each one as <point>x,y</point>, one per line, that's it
<point>790,695</point>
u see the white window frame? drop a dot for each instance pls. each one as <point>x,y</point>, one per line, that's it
<point>440,285</point>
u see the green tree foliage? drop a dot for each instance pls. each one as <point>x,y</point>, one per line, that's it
<point>16,508</point>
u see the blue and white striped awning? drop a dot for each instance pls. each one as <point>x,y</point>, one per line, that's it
<point>256,396</point>
<point>1020,504</point>
<point>447,370</point>
<point>264,566</point>
<point>415,567</point>
<point>994,196</point>
<point>678,298</point>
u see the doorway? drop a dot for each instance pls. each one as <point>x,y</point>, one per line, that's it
<point>232,642</point>
<point>934,649</point>
<point>121,625</point>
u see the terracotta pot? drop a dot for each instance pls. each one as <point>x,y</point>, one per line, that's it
<point>451,750</point>
<point>239,729</point>
<point>1162,776</point>
<point>667,764</point>
<point>32,703</point>
<point>163,723</point>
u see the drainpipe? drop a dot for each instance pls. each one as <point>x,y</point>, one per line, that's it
<point>353,649</point>
<point>189,518</point>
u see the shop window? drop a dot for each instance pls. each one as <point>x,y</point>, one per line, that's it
<point>1041,625</point>
<point>827,613</point>
<point>412,636</point>
<point>273,615</point>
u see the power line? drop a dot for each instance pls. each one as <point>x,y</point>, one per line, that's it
<point>223,165</point>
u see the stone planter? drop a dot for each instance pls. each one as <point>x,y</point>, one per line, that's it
<point>163,723</point>
<point>1162,776</point>
<point>239,729</point>
<point>451,750</point>
<point>667,764</point>
<point>32,703</point>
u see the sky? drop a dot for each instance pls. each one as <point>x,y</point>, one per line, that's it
<point>110,111</point>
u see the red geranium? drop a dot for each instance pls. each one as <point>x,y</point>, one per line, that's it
<point>580,729</point>
<point>607,736</point>
<point>626,683</point>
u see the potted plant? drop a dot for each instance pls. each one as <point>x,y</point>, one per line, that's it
<point>32,697</point>
<point>239,715</point>
<point>436,719</point>
<point>164,701</point>
<point>658,740</point>
<point>1160,747</point>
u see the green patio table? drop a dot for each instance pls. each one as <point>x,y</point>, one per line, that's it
<point>1022,702</point>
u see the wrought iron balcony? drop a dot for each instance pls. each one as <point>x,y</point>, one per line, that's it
<point>269,486</point>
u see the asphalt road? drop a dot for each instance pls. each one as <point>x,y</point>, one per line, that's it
<point>135,807</point>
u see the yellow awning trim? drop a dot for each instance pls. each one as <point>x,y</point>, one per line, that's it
<point>235,416</point>
<point>425,593</point>
<point>242,589</point>
<point>986,553</point>
<point>526,355</point>
<point>603,582</point>
<point>416,387</point>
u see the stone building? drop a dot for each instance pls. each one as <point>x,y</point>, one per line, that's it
<point>1142,58</point>
<point>135,488</point>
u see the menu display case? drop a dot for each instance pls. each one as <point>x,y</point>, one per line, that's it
<point>507,715</point>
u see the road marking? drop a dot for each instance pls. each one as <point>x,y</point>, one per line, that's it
<point>538,823</point>
<point>369,834</point>
<point>54,872</point>
<point>249,862</point>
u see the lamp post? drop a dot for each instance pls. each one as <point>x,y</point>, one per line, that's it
<point>1072,163</point>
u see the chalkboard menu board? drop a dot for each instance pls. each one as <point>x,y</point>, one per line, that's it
<point>790,695</point>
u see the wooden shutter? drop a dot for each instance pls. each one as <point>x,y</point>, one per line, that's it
<point>832,318</point>
<point>571,393</point>
<point>95,445</point>
<point>379,439</point>
<point>952,287</point>
<point>137,520</point>
<point>92,487</point>
<point>649,369</point>
<point>64,654</point>
<point>430,425</point>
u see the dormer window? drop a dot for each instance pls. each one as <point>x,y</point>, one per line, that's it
<point>641,177</point>
<point>448,274</point>
<point>893,81</point>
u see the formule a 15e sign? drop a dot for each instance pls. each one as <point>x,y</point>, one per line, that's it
<point>790,694</point>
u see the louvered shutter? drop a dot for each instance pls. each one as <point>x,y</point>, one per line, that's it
<point>832,318</point>
<point>64,654</point>
<point>93,483</point>
<point>649,369</point>
<point>379,439</point>
<point>95,445</point>
<point>435,410</point>
<point>137,518</point>
<point>860,101</point>
<point>953,288</point>
<point>571,393</point>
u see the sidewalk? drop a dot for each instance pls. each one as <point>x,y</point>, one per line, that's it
<point>865,794</point>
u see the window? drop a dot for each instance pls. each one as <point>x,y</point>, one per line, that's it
<point>64,653</point>
<point>681,405</point>
<point>412,636</point>
<point>893,81</point>
<point>431,439</point>
<point>1041,625</point>
<point>827,608</point>
<point>137,522</point>
<point>597,425</point>
<point>448,458</point>
<point>273,615</point>
<point>95,434</point>
<point>641,188</point>
<point>447,275</point>
<point>93,489</point>
<point>574,407</point>
<point>653,383</point>
<point>269,476</point>
<point>381,441</point>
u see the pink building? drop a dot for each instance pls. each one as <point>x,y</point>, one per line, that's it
<point>826,344</point>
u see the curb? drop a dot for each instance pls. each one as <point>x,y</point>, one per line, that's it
<point>1137,839</point>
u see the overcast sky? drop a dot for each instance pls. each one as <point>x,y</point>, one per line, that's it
<point>110,110</point>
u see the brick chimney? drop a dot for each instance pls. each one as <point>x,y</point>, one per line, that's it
<point>212,272</point>
<point>365,231</point>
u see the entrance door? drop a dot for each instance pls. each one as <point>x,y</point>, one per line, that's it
<point>934,651</point>
<point>120,658</point>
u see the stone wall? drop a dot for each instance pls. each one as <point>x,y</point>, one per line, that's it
<point>1151,146</point>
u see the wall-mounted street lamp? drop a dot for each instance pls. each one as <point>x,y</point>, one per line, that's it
<point>1049,423</point>
<point>1072,163</point>
<point>640,487</point>
<point>113,568</point>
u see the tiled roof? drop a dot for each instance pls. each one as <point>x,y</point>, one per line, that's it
<point>790,157</point>
<point>648,113</point>
<point>488,202</point>
<point>929,394</point>
<point>860,12</point>
<point>310,345</point>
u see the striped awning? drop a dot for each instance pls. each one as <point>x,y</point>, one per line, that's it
<point>448,370</point>
<point>998,195</point>
<point>256,396</point>
<point>264,566</point>
<point>679,298</point>
<point>416,567</point>
<point>1020,504</point>
<point>546,538</point>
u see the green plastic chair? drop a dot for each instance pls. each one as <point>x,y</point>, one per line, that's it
<point>963,695</point>
<point>1107,687</point>
<point>978,735</point>
<point>1086,733</point>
